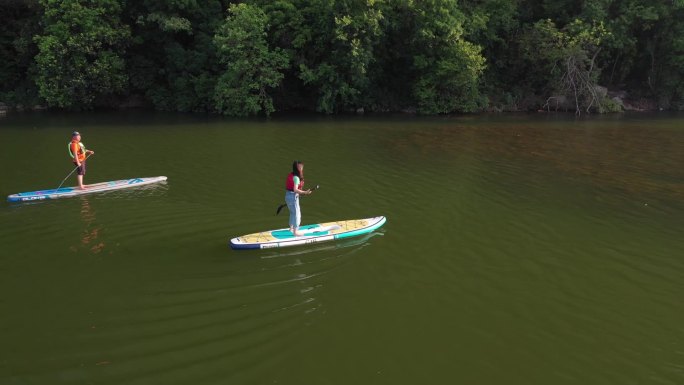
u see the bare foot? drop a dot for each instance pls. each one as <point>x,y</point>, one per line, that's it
<point>82,187</point>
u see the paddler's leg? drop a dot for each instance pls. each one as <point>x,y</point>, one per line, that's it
<point>80,173</point>
<point>298,216</point>
<point>290,200</point>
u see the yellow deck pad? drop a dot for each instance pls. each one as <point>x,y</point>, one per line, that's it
<point>337,228</point>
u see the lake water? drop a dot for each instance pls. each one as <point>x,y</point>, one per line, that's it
<point>519,249</point>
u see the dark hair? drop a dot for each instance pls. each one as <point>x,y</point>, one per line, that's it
<point>295,169</point>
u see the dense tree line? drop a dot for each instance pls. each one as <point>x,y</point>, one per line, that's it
<point>259,56</point>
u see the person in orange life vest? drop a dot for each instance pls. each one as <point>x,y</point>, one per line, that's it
<point>294,187</point>
<point>78,153</point>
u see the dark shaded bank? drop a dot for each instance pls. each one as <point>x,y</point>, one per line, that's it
<point>620,102</point>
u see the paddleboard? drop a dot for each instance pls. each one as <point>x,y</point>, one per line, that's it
<point>319,232</point>
<point>66,192</point>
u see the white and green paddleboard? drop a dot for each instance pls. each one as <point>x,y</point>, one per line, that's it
<point>319,232</point>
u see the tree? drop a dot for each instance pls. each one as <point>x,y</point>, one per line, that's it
<point>645,49</point>
<point>80,52</point>
<point>448,67</point>
<point>344,44</point>
<point>250,67</point>
<point>172,59</point>
<point>567,58</point>
<point>330,45</point>
<point>495,26</point>
<point>19,22</point>
<point>429,56</point>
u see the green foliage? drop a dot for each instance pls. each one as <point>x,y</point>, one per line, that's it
<point>251,68</point>
<point>330,45</point>
<point>566,58</point>
<point>19,21</point>
<point>545,44</point>
<point>80,52</point>
<point>342,77</point>
<point>424,62</point>
<point>448,67</point>
<point>608,105</point>
<point>172,59</point>
<point>168,23</point>
<point>429,56</point>
<point>451,84</point>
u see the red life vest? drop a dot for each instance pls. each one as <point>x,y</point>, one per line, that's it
<point>289,183</point>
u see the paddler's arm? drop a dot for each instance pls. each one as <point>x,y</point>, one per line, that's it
<point>88,152</point>
<point>297,190</point>
<point>304,192</point>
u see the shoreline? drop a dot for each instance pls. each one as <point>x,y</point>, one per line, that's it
<point>626,105</point>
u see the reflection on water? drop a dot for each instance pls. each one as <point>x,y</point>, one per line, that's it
<point>629,157</point>
<point>91,229</point>
<point>297,275</point>
<point>360,241</point>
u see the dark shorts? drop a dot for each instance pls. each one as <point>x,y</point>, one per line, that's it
<point>81,169</point>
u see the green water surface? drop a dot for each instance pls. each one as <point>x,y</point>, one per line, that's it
<point>519,249</point>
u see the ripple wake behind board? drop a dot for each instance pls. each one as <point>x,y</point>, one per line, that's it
<point>319,232</point>
<point>66,192</point>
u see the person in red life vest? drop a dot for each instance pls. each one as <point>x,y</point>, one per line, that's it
<point>294,187</point>
<point>78,154</point>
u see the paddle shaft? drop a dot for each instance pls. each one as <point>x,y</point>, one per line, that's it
<point>72,171</point>
<point>285,204</point>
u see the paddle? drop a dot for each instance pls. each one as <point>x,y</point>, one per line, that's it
<point>285,204</point>
<point>72,171</point>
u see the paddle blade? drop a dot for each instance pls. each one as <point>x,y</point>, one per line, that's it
<point>280,208</point>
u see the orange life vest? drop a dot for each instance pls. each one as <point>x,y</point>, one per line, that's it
<point>78,148</point>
